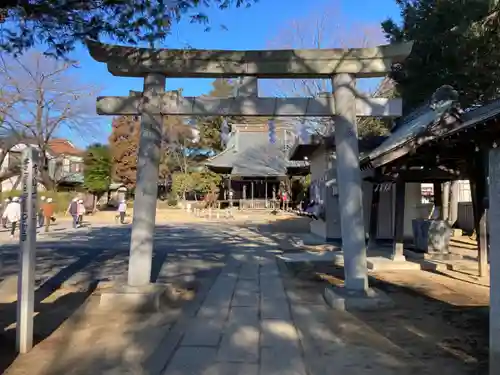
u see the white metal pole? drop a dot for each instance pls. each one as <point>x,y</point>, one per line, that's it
<point>27,254</point>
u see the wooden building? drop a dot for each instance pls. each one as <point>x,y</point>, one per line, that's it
<point>451,144</point>
<point>456,144</point>
<point>321,154</point>
<point>387,211</point>
<point>253,166</point>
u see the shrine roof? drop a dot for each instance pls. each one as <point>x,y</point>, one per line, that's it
<point>431,128</point>
<point>304,150</point>
<point>250,154</point>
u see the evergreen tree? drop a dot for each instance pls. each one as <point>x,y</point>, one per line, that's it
<point>455,43</point>
<point>97,169</point>
<point>210,128</point>
<point>60,24</point>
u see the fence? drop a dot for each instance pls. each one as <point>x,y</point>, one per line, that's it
<point>257,204</point>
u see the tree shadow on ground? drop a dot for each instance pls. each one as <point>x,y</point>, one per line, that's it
<point>418,322</point>
<point>290,233</point>
<point>188,245</point>
<point>441,334</point>
<point>74,263</point>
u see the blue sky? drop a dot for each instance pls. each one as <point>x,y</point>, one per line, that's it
<point>267,24</point>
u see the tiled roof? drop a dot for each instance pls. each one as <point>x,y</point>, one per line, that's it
<point>424,123</point>
<point>60,146</point>
<point>302,149</point>
<point>251,154</point>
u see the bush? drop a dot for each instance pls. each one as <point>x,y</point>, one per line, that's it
<point>172,200</point>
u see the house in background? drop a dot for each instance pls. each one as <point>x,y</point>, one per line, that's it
<point>65,164</point>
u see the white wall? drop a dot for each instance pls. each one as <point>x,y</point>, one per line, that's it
<point>386,214</point>
<point>319,166</point>
<point>463,190</point>
<point>14,183</point>
<point>323,170</point>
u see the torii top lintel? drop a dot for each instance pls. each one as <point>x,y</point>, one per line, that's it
<point>306,63</point>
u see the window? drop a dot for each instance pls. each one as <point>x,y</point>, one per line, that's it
<point>76,167</point>
<point>66,165</point>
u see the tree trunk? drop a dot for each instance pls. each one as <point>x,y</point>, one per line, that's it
<point>45,177</point>
<point>46,181</point>
<point>5,175</point>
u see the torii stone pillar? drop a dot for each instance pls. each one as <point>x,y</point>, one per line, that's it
<point>146,192</point>
<point>349,183</point>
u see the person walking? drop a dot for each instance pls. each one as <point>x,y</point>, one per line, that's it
<point>5,204</point>
<point>48,212</point>
<point>284,200</point>
<point>122,211</point>
<point>73,211</point>
<point>13,214</point>
<point>80,212</point>
<point>41,216</point>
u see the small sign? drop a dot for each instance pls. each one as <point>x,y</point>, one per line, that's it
<point>27,251</point>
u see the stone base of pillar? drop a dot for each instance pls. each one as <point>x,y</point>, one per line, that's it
<point>441,256</point>
<point>144,299</point>
<point>398,258</point>
<point>380,263</point>
<point>433,255</point>
<point>342,299</point>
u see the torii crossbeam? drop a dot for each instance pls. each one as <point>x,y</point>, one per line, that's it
<point>171,103</point>
<point>343,66</point>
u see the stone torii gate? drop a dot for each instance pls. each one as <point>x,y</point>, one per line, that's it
<point>342,66</point>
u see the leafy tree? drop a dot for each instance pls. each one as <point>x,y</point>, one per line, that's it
<point>178,154</point>
<point>182,183</point>
<point>208,181</point>
<point>300,188</point>
<point>97,169</point>
<point>455,43</point>
<point>123,145</point>
<point>201,182</point>
<point>60,24</point>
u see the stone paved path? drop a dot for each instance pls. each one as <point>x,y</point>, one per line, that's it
<point>252,323</point>
<point>243,325</point>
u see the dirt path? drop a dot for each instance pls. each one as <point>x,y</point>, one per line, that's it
<point>437,319</point>
<point>89,340</point>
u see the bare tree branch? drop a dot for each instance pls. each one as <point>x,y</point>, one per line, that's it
<point>45,100</point>
<point>325,28</point>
